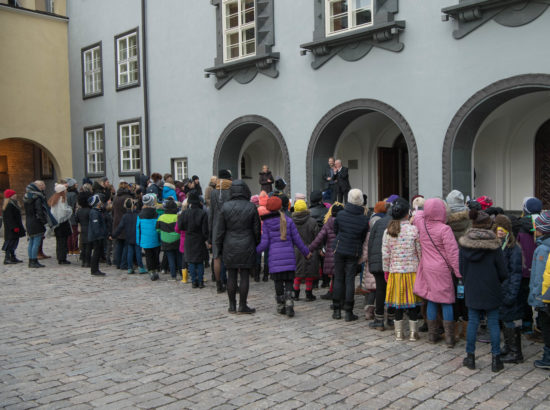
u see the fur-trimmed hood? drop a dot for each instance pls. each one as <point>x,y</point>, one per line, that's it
<point>477,238</point>
<point>224,184</point>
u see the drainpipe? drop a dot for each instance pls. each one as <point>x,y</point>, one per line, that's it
<point>145,89</point>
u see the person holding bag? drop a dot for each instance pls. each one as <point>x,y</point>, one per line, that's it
<point>62,212</point>
<point>438,267</point>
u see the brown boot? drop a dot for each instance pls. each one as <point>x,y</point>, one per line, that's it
<point>464,330</point>
<point>433,335</point>
<point>449,326</point>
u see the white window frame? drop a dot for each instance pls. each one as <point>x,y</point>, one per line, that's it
<point>351,16</point>
<point>95,72</point>
<point>125,63</point>
<point>130,148</point>
<point>239,29</point>
<point>180,164</point>
<point>95,156</point>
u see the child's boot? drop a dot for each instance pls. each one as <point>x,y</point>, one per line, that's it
<point>296,294</point>
<point>398,325</point>
<point>309,296</point>
<point>289,304</point>
<point>413,328</point>
<point>154,275</point>
<point>281,304</point>
<point>184,275</point>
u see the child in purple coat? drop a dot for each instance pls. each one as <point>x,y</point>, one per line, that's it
<point>280,236</point>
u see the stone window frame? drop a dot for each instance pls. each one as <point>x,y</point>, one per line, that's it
<point>245,69</point>
<point>350,14</point>
<point>83,52</point>
<point>186,167</point>
<point>86,170</point>
<point>120,124</point>
<point>117,38</point>
<point>239,29</point>
<point>352,45</point>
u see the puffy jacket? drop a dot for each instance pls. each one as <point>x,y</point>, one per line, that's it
<point>483,268</point>
<point>326,238</point>
<point>119,210</point>
<point>318,212</point>
<point>375,244</point>
<point>166,227</point>
<point>146,233</point>
<point>351,227</point>
<point>96,226</point>
<point>36,211</point>
<point>538,267</point>
<point>546,284</point>
<point>512,306</point>
<point>82,218</point>
<point>401,254</point>
<point>72,199</point>
<point>459,222</point>
<point>127,226</point>
<point>308,230</point>
<point>238,230</point>
<point>193,228</point>
<point>13,224</point>
<point>526,239</point>
<point>217,198</point>
<point>281,253</point>
<point>169,190</point>
<point>156,189</point>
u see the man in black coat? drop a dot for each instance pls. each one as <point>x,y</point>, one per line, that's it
<point>238,234</point>
<point>36,211</point>
<point>341,177</point>
<point>328,182</point>
<point>266,180</point>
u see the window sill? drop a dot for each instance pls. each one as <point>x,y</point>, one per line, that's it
<point>127,86</point>
<point>130,173</point>
<point>94,95</point>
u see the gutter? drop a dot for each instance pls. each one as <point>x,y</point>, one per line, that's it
<point>145,88</point>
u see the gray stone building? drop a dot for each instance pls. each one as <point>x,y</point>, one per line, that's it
<point>414,97</point>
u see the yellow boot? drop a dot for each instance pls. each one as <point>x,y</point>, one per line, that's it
<point>184,275</point>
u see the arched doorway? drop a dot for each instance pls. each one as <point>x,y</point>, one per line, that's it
<point>248,143</point>
<point>23,161</point>
<point>374,141</point>
<point>489,148</point>
<point>542,164</point>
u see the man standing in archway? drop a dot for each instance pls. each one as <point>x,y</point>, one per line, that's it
<point>341,177</point>
<point>328,183</point>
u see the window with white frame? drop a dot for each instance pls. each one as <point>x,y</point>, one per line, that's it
<point>127,55</point>
<point>179,168</point>
<point>95,151</point>
<point>239,29</point>
<point>130,147</point>
<point>91,64</point>
<point>345,15</point>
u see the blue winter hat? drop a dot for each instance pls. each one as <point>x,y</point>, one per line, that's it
<point>532,205</point>
<point>94,200</point>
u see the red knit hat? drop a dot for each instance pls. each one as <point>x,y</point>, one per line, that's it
<point>8,193</point>
<point>274,204</point>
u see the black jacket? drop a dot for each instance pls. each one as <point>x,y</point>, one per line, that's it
<point>318,211</point>
<point>35,211</point>
<point>265,185</point>
<point>154,188</point>
<point>72,199</point>
<point>239,230</point>
<point>483,268</point>
<point>194,222</point>
<point>119,209</point>
<point>512,306</point>
<point>328,173</point>
<point>13,224</point>
<point>127,227</point>
<point>104,193</point>
<point>351,227</point>
<point>218,196</point>
<point>308,230</point>
<point>375,244</point>
<point>83,218</point>
<point>63,230</point>
<point>96,227</point>
<point>342,180</point>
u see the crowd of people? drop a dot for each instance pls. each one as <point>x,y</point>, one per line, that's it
<point>455,264</point>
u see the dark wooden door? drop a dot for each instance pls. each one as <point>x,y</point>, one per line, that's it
<point>4,177</point>
<point>388,172</point>
<point>542,165</point>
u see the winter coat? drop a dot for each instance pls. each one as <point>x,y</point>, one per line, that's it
<point>368,278</point>
<point>512,306</point>
<point>182,236</point>
<point>96,226</point>
<point>434,279</point>
<point>36,211</point>
<point>63,230</point>
<point>146,233</point>
<point>72,199</point>
<point>326,238</point>
<point>281,253</point>
<point>239,229</point>
<point>328,173</point>
<point>166,227</point>
<point>401,254</point>
<point>459,222</point>
<point>13,224</point>
<point>546,285</point>
<point>540,259</point>
<point>82,217</point>
<point>308,230</point>
<point>375,218</point>
<point>127,227</point>
<point>266,181</point>
<point>108,217</point>
<point>193,227</point>
<point>351,227</point>
<point>119,210</point>
<point>375,244</point>
<point>208,192</point>
<point>526,240</point>
<point>181,195</point>
<point>482,266</point>
<point>217,198</point>
<point>156,189</point>
<point>169,190</point>
<point>103,192</point>
<point>318,211</point>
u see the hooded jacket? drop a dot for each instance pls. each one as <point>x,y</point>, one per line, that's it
<point>459,222</point>
<point>36,210</point>
<point>401,254</point>
<point>166,227</point>
<point>538,268</point>
<point>169,190</point>
<point>525,234</point>
<point>217,198</point>
<point>119,210</point>
<point>326,237</point>
<point>127,227</point>
<point>146,232</point>
<point>375,244</point>
<point>308,230</point>
<point>351,227</point>
<point>512,305</point>
<point>13,224</point>
<point>96,227</point>
<point>483,268</point>
<point>434,280</point>
<point>193,228</point>
<point>317,209</point>
<point>238,230</point>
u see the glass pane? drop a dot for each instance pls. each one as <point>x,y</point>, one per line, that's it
<point>232,15</point>
<point>363,17</point>
<point>339,23</point>
<point>338,7</point>
<point>137,164</point>
<point>133,46</point>
<point>126,154</point>
<point>125,164</point>
<point>135,129</point>
<point>125,130</point>
<point>122,49</point>
<point>135,153</point>
<point>87,61</point>
<point>124,79</point>
<point>134,73</point>
<point>359,4</point>
<point>89,83</point>
<point>97,82</point>
<point>248,11</point>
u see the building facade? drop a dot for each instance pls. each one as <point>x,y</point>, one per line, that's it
<point>35,131</point>
<point>414,97</point>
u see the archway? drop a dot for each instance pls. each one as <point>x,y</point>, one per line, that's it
<point>246,144</point>
<point>374,141</point>
<point>489,148</point>
<point>542,164</point>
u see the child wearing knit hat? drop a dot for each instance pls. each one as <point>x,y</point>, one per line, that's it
<point>147,236</point>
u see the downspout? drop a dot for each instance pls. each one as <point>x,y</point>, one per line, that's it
<point>145,89</point>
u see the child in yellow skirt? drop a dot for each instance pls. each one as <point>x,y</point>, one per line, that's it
<point>400,258</point>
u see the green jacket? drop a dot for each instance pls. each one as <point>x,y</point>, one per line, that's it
<point>166,226</point>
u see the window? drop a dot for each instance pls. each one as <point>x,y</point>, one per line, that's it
<point>179,168</point>
<point>46,165</point>
<point>127,60</point>
<point>92,75</point>
<point>129,147</point>
<point>344,15</point>
<point>95,150</point>
<point>239,27</point>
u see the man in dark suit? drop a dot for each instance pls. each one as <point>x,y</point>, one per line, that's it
<point>328,183</point>
<point>341,178</point>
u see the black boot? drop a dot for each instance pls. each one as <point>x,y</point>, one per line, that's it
<point>350,317</point>
<point>7,259</point>
<point>514,354</point>
<point>256,275</point>
<point>281,304</point>
<point>219,287</point>
<point>232,307</point>
<point>337,313</point>
<point>327,296</point>
<point>496,364</point>
<point>508,336</point>
<point>470,361</point>
<point>377,323</point>
<point>246,310</point>
<point>309,296</point>
<point>14,259</point>
<point>33,263</point>
<point>326,281</point>
<point>289,304</point>
<point>154,275</point>
<point>296,294</point>
<point>266,276</point>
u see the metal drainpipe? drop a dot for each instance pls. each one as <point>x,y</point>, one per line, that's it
<point>147,167</point>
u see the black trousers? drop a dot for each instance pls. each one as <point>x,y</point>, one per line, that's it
<point>343,291</point>
<point>412,313</point>
<point>61,248</point>
<point>244,285</point>
<point>282,286</point>
<point>97,248</point>
<point>545,327</point>
<point>85,252</point>
<point>342,195</point>
<point>152,258</point>
<point>523,296</point>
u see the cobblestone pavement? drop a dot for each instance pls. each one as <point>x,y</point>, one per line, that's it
<point>71,340</point>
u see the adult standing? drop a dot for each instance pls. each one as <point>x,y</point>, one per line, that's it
<point>266,180</point>
<point>155,187</point>
<point>13,226</point>
<point>121,251</point>
<point>208,191</point>
<point>72,200</point>
<point>197,184</point>
<point>36,219</point>
<point>341,177</point>
<point>218,196</point>
<point>103,189</point>
<point>62,212</point>
<point>238,233</point>
<point>328,181</point>
<point>317,209</point>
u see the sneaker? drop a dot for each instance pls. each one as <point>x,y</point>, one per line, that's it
<point>130,272</point>
<point>98,273</point>
<point>142,270</point>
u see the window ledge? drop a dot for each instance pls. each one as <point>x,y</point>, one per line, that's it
<point>471,14</point>
<point>92,95</point>
<point>355,44</point>
<point>245,69</point>
<point>127,86</point>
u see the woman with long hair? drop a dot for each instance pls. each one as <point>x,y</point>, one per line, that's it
<point>13,226</point>
<point>62,212</point>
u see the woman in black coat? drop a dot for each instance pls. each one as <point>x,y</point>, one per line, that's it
<point>266,180</point>
<point>13,226</point>
<point>82,218</point>
<point>238,234</point>
<point>36,218</point>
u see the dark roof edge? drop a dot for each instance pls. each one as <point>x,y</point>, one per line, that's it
<point>39,12</point>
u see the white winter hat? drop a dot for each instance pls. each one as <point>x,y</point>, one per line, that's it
<point>60,188</point>
<point>355,197</point>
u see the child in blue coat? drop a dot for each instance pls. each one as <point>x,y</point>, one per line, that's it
<point>147,236</point>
